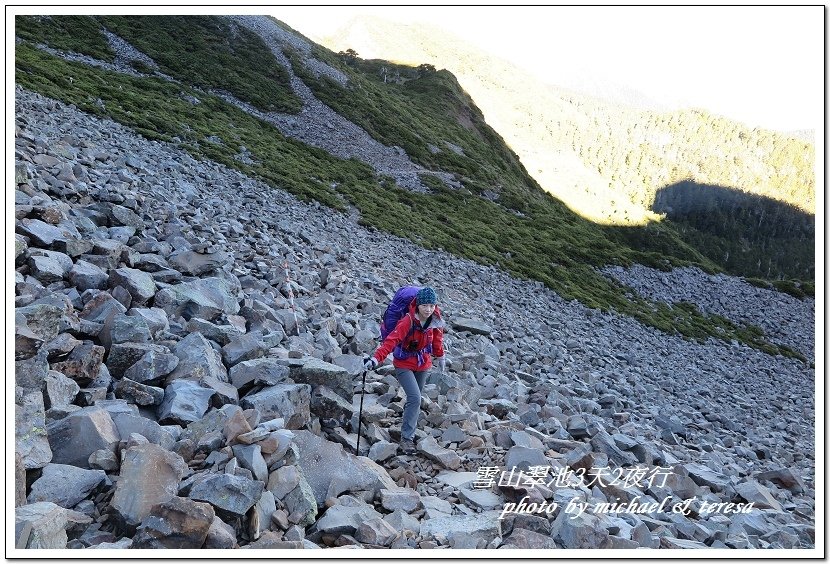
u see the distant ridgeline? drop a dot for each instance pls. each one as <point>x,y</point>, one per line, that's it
<point>493,212</point>
<point>744,198</point>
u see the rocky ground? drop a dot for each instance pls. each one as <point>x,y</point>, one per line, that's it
<point>168,396</point>
<point>784,319</point>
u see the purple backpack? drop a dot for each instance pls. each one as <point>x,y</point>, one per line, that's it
<point>397,309</point>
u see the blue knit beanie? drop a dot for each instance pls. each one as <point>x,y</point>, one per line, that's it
<point>426,296</point>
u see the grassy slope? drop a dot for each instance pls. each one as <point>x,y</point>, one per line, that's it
<point>545,241</point>
<point>608,160</point>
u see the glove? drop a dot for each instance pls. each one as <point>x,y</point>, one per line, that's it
<point>369,363</point>
<point>442,363</point>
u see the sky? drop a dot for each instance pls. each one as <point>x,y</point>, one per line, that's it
<point>762,65</point>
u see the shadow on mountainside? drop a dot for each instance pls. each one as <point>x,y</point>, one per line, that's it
<point>745,234</point>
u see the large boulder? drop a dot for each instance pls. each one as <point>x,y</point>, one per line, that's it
<point>206,298</point>
<point>300,502</point>
<point>228,492</point>
<point>149,475</point>
<point>30,431</point>
<point>139,284</point>
<point>319,373</point>
<point>197,264</point>
<point>200,362</point>
<point>75,437</point>
<point>65,485</point>
<point>330,471</point>
<point>44,525</point>
<point>290,401</point>
<point>176,523</point>
<point>267,371</point>
<point>481,526</point>
<point>184,402</point>
<point>345,517</point>
<point>83,364</point>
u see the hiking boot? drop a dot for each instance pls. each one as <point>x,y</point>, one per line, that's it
<point>407,446</point>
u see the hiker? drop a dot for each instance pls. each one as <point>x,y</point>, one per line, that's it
<point>416,338</point>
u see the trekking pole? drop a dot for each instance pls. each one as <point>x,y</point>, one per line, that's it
<point>360,413</point>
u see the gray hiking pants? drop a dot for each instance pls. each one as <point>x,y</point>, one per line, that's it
<point>413,384</point>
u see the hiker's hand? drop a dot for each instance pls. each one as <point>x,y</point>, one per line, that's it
<point>369,363</point>
<point>442,363</point>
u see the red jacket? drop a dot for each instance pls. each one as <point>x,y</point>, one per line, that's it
<point>414,354</point>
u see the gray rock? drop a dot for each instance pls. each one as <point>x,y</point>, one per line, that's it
<point>480,499</point>
<point>402,499</point>
<point>705,476</point>
<point>31,373</point>
<point>120,215</point>
<point>103,460</point>
<point>81,433</point>
<point>83,364</point>
<point>327,404</point>
<point>196,264</point>
<point>44,525</point>
<point>101,307</point>
<point>447,458</point>
<point>123,356</point>
<point>43,234</point>
<point>85,275</point>
<point>282,480</point>
<point>184,402</point>
<point>758,494</point>
<point>230,493</point>
<point>382,450</point>
<point>578,531</point>
<point>474,326</point>
<point>199,362</point>
<point>222,334</point>
<point>155,318</point>
<point>206,298</point>
<point>480,526</point>
<point>26,342</point>
<point>289,401</point>
<point>138,394</point>
<point>457,479</point>
<point>267,371</point>
<point>330,471</point>
<point>128,329</point>
<point>65,485</point>
<point>403,521</point>
<point>44,320</point>
<point>300,503</point>
<point>318,373</point>
<point>260,515</point>
<point>30,430</point>
<point>149,475</point>
<point>376,532</point>
<point>213,421</point>
<point>245,347</point>
<point>250,457</point>
<point>524,538</point>
<point>175,523</point>
<point>345,517</point>
<point>152,367</point>
<point>220,535</point>
<point>139,284</point>
<point>59,391</point>
<point>523,458</point>
<point>603,442</point>
<point>46,269</point>
<point>783,477</point>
